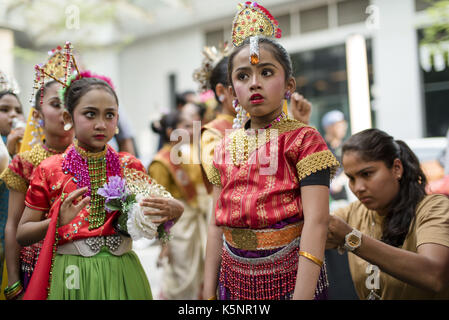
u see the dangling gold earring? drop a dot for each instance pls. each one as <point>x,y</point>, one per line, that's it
<point>117,130</point>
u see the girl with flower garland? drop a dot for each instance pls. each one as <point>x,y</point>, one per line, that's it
<point>48,112</point>
<point>271,186</point>
<point>86,252</point>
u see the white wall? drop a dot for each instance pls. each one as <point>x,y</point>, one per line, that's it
<point>145,67</point>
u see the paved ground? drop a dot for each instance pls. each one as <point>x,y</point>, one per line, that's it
<point>148,252</point>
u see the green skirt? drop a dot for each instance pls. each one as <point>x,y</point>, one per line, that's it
<point>101,277</point>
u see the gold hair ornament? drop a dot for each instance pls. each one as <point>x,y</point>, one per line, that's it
<point>253,20</point>
<point>212,56</point>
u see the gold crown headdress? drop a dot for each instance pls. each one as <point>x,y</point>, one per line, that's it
<point>253,20</point>
<point>8,84</point>
<point>59,68</point>
<point>212,56</point>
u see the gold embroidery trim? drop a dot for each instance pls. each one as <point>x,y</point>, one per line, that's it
<point>242,144</point>
<point>35,156</point>
<point>13,181</point>
<point>213,175</point>
<point>315,162</point>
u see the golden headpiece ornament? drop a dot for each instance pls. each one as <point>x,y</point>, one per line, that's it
<point>253,20</point>
<point>8,84</point>
<point>58,67</point>
<point>212,56</point>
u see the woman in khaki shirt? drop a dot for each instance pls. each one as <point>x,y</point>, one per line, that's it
<point>398,235</point>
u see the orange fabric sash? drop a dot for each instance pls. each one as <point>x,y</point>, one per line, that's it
<point>262,239</point>
<point>185,185</point>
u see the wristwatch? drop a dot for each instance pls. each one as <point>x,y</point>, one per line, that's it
<point>353,240</point>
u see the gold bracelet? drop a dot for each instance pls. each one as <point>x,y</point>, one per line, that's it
<point>214,297</point>
<point>311,258</point>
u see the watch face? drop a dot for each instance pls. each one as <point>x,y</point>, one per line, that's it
<point>353,240</point>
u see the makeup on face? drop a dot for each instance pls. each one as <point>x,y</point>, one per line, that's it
<point>95,119</point>
<point>259,88</point>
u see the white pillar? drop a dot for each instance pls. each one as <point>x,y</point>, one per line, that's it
<point>358,83</point>
<point>396,70</point>
<point>6,54</point>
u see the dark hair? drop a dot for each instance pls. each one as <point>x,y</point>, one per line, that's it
<point>168,121</point>
<point>376,145</point>
<point>41,92</point>
<point>219,75</point>
<point>278,51</point>
<point>6,92</point>
<point>80,87</point>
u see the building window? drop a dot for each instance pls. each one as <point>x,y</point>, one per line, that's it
<point>435,85</point>
<point>352,11</point>
<point>314,19</point>
<point>321,78</point>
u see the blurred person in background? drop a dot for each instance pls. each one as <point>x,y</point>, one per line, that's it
<point>176,168</point>
<point>335,127</point>
<point>11,117</point>
<point>124,140</point>
<point>341,285</point>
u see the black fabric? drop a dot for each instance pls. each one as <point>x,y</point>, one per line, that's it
<point>321,178</point>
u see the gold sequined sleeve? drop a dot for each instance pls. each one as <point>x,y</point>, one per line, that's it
<point>214,176</point>
<point>13,181</point>
<point>309,152</point>
<point>209,140</point>
<point>315,162</point>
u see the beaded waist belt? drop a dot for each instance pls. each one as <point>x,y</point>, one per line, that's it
<point>272,277</point>
<point>117,245</point>
<point>262,239</point>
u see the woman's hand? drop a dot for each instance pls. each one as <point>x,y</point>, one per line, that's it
<point>13,138</point>
<point>168,209</point>
<point>301,108</point>
<point>338,229</point>
<point>69,209</point>
<point>163,255</point>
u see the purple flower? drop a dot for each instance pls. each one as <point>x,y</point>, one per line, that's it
<point>168,225</point>
<point>114,189</point>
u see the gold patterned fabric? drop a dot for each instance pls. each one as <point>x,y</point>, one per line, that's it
<point>211,136</point>
<point>18,174</point>
<point>260,173</point>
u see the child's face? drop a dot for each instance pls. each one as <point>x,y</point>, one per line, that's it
<point>259,88</point>
<point>10,108</point>
<point>95,119</point>
<point>52,111</point>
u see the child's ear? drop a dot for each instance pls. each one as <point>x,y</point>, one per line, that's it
<point>36,114</point>
<point>67,117</point>
<point>291,84</point>
<point>232,92</point>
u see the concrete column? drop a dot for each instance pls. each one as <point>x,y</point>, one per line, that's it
<point>398,101</point>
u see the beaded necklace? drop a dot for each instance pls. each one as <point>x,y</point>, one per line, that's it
<point>92,170</point>
<point>240,149</point>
